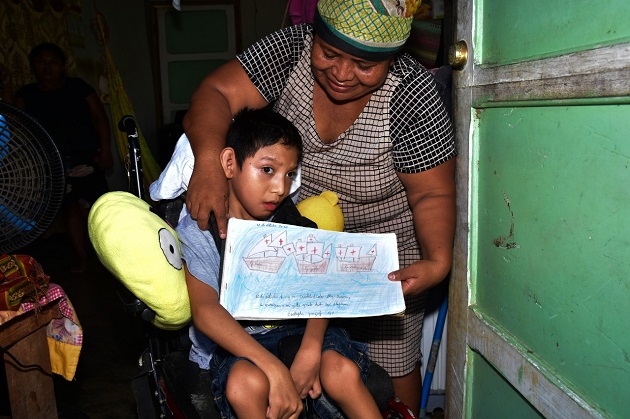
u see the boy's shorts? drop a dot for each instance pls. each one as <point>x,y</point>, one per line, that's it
<point>336,339</point>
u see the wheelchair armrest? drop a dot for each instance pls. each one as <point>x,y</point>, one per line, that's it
<point>133,304</point>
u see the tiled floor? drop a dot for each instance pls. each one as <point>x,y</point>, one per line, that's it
<point>113,339</point>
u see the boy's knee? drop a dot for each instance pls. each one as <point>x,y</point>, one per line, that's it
<point>337,371</point>
<point>245,383</point>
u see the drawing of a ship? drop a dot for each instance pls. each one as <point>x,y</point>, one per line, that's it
<point>350,259</point>
<point>312,256</point>
<point>269,253</point>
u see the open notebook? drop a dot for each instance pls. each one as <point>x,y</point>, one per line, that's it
<point>277,271</point>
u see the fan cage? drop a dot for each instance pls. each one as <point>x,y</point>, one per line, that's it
<point>32,180</point>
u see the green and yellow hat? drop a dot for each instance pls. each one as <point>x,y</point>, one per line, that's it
<point>373,30</point>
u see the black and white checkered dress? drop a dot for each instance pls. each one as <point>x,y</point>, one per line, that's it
<point>403,128</point>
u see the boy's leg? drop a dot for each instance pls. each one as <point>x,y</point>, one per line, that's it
<point>341,380</point>
<point>247,390</point>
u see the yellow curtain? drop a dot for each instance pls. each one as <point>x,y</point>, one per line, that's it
<point>120,105</point>
<point>24,24</point>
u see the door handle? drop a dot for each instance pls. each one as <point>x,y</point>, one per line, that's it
<point>458,55</point>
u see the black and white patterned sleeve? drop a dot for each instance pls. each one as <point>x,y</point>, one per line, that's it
<point>421,130</point>
<point>269,61</point>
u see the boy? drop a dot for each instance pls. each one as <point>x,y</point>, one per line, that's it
<point>260,161</point>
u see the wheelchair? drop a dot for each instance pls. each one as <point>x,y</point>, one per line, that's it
<point>169,385</point>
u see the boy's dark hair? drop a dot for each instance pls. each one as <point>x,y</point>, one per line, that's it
<point>253,129</point>
<point>47,47</point>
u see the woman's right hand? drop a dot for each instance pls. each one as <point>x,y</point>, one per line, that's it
<point>208,192</point>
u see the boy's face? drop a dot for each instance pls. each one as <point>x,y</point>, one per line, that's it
<point>262,183</point>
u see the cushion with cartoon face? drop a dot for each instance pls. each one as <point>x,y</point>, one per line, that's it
<point>143,252</point>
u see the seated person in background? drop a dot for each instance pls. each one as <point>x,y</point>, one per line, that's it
<point>72,113</point>
<point>260,161</point>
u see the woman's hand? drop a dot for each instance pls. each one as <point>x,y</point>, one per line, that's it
<point>419,276</point>
<point>208,192</point>
<point>431,196</point>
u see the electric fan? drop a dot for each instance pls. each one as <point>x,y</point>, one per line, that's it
<point>32,181</point>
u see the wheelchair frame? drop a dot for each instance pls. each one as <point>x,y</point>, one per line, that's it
<point>153,398</point>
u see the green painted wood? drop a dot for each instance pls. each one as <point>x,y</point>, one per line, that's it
<point>511,31</point>
<point>196,31</point>
<point>184,77</point>
<point>492,397</point>
<point>551,238</point>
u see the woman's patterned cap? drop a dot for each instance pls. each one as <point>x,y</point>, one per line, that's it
<point>373,30</point>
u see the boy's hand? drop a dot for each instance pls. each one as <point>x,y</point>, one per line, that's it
<point>284,401</point>
<point>305,372</point>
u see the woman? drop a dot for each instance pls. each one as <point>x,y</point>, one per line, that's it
<point>72,113</point>
<point>375,132</point>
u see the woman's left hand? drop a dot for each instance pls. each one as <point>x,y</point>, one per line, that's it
<point>418,277</point>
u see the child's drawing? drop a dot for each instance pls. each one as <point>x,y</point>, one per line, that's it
<point>269,253</point>
<point>298,272</point>
<point>350,259</point>
<point>312,256</point>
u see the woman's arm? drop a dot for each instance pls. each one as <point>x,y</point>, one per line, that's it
<point>216,323</point>
<point>218,98</point>
<point>431,196</point>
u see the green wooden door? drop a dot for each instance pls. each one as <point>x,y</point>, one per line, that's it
<point>540,291</point>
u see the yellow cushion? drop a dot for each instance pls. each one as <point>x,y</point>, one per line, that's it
<point>143,252</point>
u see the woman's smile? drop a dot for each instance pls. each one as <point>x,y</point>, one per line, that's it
<point>339,88</point>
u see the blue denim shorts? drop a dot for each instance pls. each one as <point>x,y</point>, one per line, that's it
<point>336,339</point>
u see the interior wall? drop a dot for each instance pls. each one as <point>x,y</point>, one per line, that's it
<point>129,46</point>
<point>261,17</point>
<point>129,43</point>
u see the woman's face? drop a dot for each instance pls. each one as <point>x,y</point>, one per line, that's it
<point>47,67</point>
<point>345,77</point>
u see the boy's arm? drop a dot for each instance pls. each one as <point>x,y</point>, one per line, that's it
<point>305,367</point>
<point>216,323</point>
